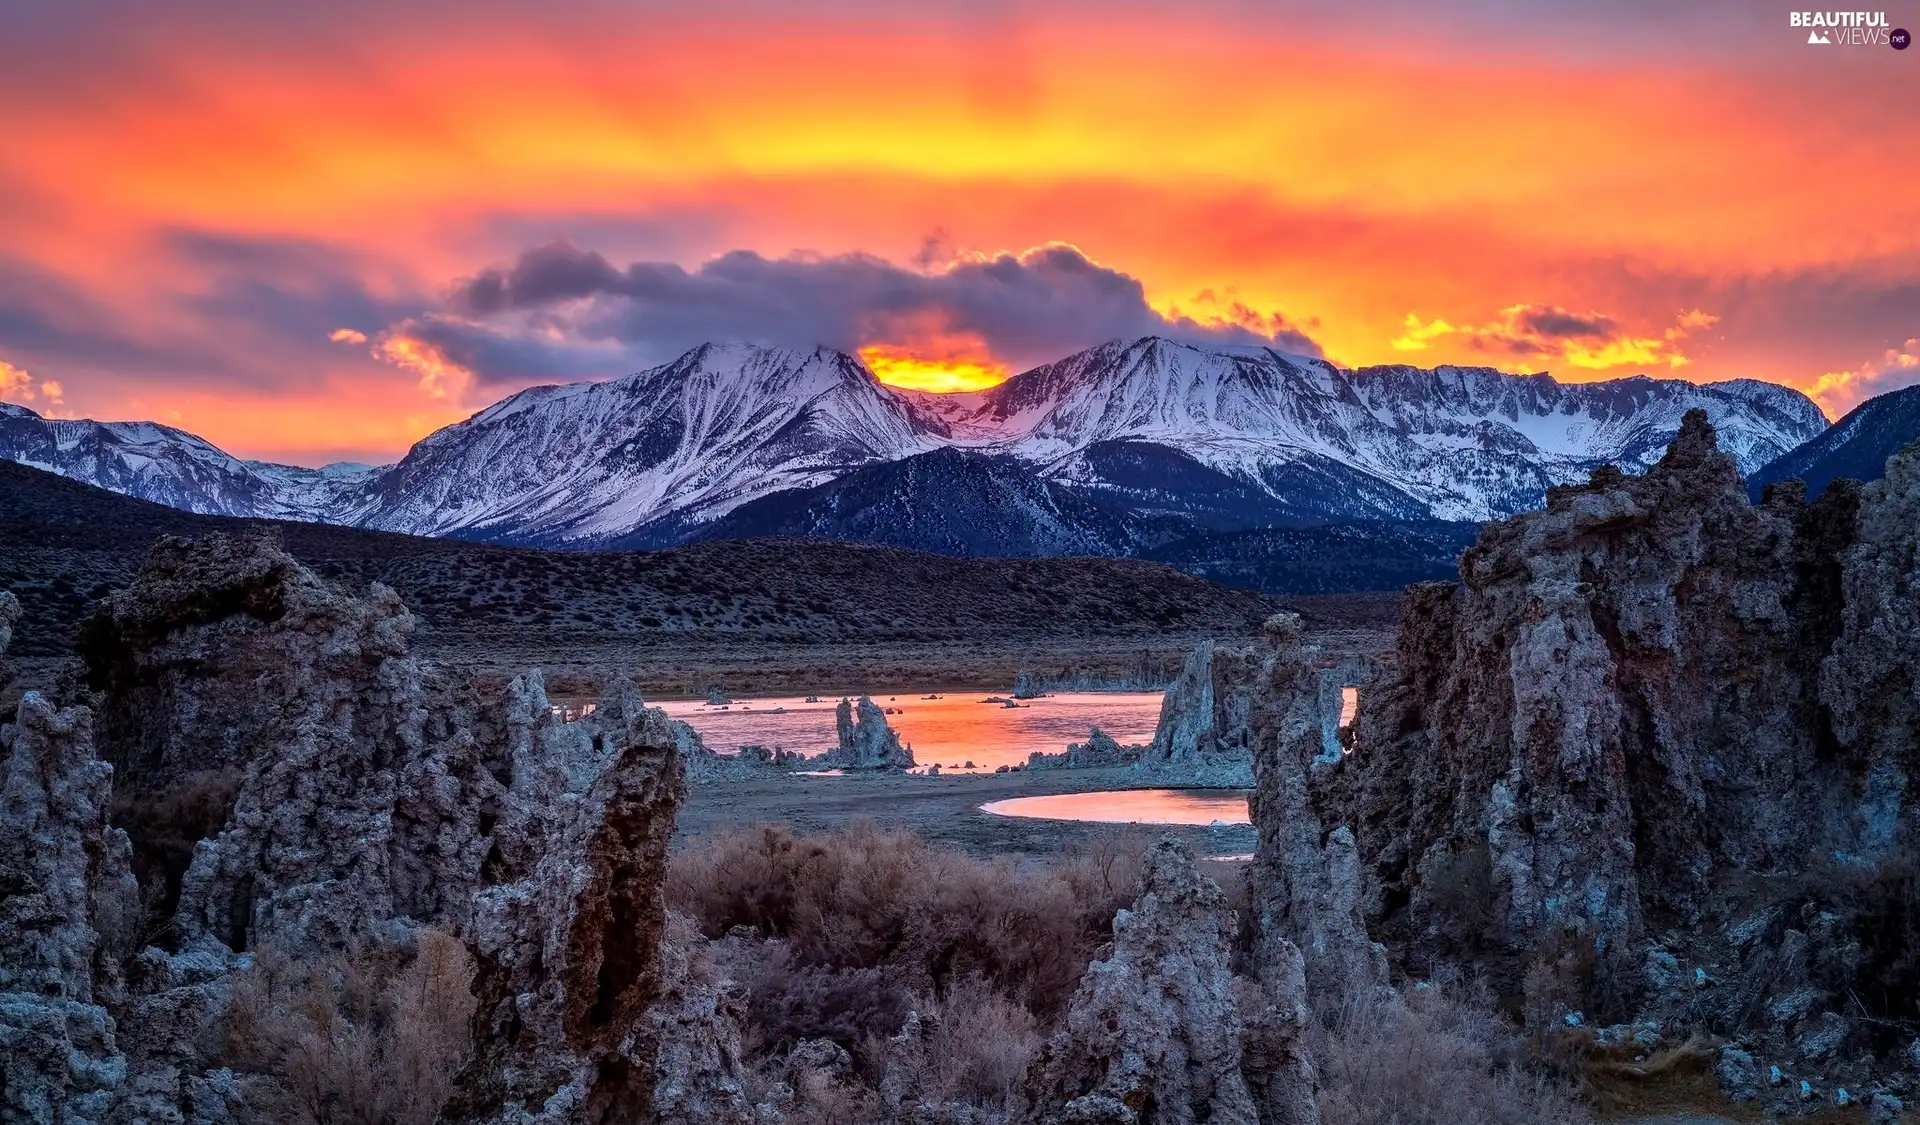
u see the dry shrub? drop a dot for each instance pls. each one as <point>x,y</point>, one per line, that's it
<point>980,1047</point>
<point>787,1003</point>
<point>1437,1058</point>
<point>867,898</point>
<point>165,823</point>
<point>368,1037</point>
<point>1877,968</point>
<point>823,1099</point>
<point>1104,872</point>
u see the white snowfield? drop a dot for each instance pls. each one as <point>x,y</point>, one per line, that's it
<point>683,443</point>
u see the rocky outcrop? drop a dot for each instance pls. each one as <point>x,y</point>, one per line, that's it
<point>333,781</point>
<point>1203,736</point>
<point>1156,1033</point>
<point>68,912</point>
<point>866,741</point>
<point>1099,751</point>
<point>1652,757</point>
<point>699,1078</point>
<point>1870,680</point>
<point>9,614</point>
<point>1306,874</point>
<point>298,780</point>
<point>569,945</point>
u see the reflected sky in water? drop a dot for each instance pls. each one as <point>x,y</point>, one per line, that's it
<point>951,730</point>
<point>1132,806</point>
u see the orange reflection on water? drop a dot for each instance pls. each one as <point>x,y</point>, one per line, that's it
<point>948,731</point>
<point>1132,806</point>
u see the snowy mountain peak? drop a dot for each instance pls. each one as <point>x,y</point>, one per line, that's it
<point>1453,442</point>
<point>1158,426</point>
<point>593,462</point>
<point>168,466</point>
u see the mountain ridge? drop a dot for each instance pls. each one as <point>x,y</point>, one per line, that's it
<point>1856,446</point>
<point>1211,438</point>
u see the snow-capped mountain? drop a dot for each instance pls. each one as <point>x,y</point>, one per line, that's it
<point>1451,443</point>
<point>173,467</point>
<point>1124,446</point>
<point>595,463</point>
<point>1856,446</point>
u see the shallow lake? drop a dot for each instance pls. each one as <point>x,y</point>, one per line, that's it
<point>951,730</point>
<point>1132,806</point>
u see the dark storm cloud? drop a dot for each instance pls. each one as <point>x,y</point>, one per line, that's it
<point>1027,309</point>
<point>1555,322</point>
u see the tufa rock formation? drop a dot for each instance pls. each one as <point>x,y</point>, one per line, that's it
<point>1653,757</point>
<point>1306,874</point>
<point>296,780</point>
<point>1209,732</point>
<point>1203,736</point>
<point>68,912</point>
<point>1099,751</point>
<point>9,614</point>
<point>328,785</point>
<point>698,1075</point>
<point>866,741</point>
<point>569,947</point>
<point>1156,1034</point>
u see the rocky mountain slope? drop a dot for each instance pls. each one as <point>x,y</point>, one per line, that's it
<point>1394,442</point>
<point>590,463</point>
<point>1178,437</point>
<point>1856,447</point>
<point>172,467</point>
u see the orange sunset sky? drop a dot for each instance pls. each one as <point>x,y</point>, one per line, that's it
<point>314,232</point>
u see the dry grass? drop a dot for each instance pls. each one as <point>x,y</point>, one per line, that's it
<point>977,1048</point>
<point>363,1038</point>
<point>1442,1057</point>
<point>838,936</point>
<point>864,898</point>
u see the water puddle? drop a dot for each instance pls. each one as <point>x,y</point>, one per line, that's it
<point>1132,806</point>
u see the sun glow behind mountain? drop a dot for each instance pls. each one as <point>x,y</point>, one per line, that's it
<point>916,370</point>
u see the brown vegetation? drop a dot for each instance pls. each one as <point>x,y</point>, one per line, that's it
<point>1440,1058</point>
<point>366,1037</point>
<point>838,936</point>
<point>865,898</point>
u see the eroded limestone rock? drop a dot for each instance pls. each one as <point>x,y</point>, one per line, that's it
<point>360,793</point>
<point>9,616</point>
<point>1870,681</point>
<point>698,1074</point>
<point>568,940</point>
<point>1308,886</point>
<point>68,912</point>
<point>866,741</point>
<point>1203,737</point>
<point>339,779</point>
<point>1156,1033</point>
<point>1099,751</point>
<point>1656,711</point>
